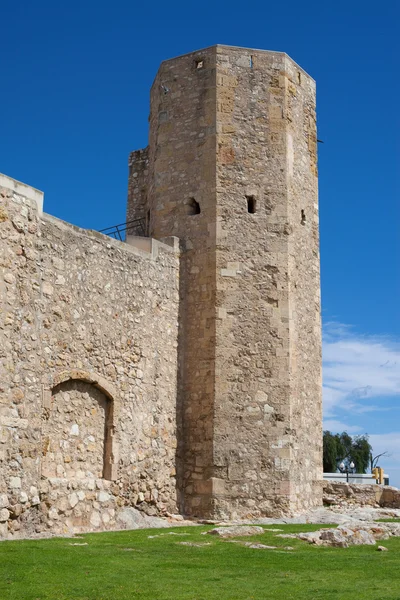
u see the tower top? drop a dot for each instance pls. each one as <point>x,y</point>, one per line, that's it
<point>237,48</point>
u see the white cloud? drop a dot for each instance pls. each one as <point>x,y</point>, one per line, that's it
<point>356,369</point>
<point>387,442</point>
<point>336,426</point>
<point>362,375</point>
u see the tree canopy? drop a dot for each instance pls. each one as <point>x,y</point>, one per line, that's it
<point>342,447</point>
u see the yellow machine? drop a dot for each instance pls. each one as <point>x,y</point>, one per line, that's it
<point>378,474</point>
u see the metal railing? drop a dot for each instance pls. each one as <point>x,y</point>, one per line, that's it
<point>119,232</point>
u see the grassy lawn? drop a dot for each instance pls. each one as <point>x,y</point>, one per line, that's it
<point>388,520</point>
<point>129,564</point>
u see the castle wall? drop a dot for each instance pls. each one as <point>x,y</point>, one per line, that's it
<point>74,431</point>
<point>304,289</point>
<point>130,372</point>
<point>88,363</point>
<point>138,182</point>
<point>182,203</point>
<point>253,428</point>
<point>267,428</point>
<point>232,173</point>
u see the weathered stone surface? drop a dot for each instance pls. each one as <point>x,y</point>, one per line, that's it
<point>231,170</point>
<point>15,510</point>
<point>135,371</point>
<point>14,482</point>
<point>73,500</point>
<point>130,518</point>
<point>236,531</point>
<point>375,530</point>
<point>362,537</point>
<point>4,515</point>
<point>194,544</point>
<point>103,497</point>
<point>313,537</point>
<point>342,494</point>
<point>95,519</point>
<point>4,503</point>
<point>351,535</point>
<point>259,546</point>
<point>83,427</point>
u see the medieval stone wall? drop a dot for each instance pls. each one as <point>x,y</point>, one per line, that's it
<point>304,287</point>
<point>232,172</point>
<point>88,362</point>
<point>181,200</point>
<point>137,215</point>
<point>179,373</point>
<point>345,495</point>
<point>267,431</point>
<point>75,431</point>
<point>254,446</point>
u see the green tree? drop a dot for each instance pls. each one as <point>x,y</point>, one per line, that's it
<point>329,452</point>
<point>361,453</point>
<point>341,447</point>
<point>344,446</point>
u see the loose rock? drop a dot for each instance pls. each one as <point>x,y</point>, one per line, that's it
<point>236,531</point>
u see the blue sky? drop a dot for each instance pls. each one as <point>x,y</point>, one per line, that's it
<point>75,101</point>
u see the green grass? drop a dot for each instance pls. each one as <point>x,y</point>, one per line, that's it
<point>388,520</point>
<point>126,565</point>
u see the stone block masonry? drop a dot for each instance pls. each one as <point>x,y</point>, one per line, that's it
<point>350,494</point>
<point>88,363</point>
<point>231,170</point>
<point>137,192</point>
<point>179,371</point>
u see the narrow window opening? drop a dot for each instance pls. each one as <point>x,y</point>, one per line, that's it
<point>192,207</point>
<point>303,217</point>
<point>199,64</point>
<point>299,76</point>
<point>148,224</point>
<point>251,204</point>
<point>251,61</point>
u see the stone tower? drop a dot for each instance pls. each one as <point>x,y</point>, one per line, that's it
<point>231,169</point>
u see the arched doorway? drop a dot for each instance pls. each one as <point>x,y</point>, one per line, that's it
<point>78,428</point>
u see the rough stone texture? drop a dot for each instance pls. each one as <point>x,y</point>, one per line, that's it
<point>87,389</point>
<point>74,435</point>
<point>232,172</point>
<point>341,515</point>
<point>359,494</point>
<point>130,518</point>
<point>236,531</point>
<point>345,536</point>
<point>130,372</point>
<point>137,211</point>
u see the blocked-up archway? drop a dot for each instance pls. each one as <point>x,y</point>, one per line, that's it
<point>78,428</point>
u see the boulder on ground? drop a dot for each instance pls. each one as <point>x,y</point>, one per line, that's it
<point>341,537</point>
<point>335,537</point>
<point>131,518</point>
<point>236,531</point>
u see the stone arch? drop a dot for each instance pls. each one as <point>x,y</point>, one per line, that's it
<point>64,382</point>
